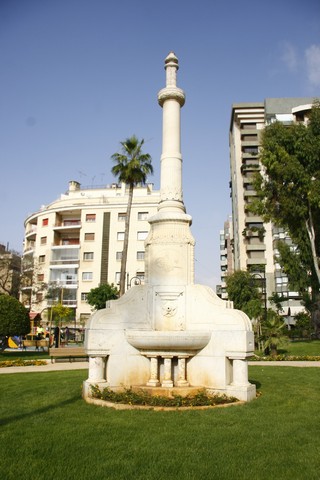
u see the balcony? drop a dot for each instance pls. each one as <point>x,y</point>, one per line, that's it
<point>74,262</point>
<point>28,250</point>
<point>67,225</point>
<point>256,248</point>
<point>65,255</point>
<point>31,233</point>
<point>72,303</point>
<point>256,261</point>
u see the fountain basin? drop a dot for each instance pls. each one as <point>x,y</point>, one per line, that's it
<point>167,340</point>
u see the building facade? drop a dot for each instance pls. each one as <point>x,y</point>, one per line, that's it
<point>10,271</point>
<point>75,244</point>
<point>254,241</point>
<point>226,257</point>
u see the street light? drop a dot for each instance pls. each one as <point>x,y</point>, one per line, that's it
<point>263,290</point>
<point>264,293</point>
<point>137,281</point>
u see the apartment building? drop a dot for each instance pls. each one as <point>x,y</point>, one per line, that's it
<point>254,241</point>
<point>10,270</point>
<point>226,257</point>
<point>75,244</point>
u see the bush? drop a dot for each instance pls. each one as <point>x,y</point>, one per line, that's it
<point>141,397</point>
<point>14,317</point>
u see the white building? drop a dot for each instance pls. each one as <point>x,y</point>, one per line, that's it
<point>75,244</point>
<point>254,241</point>
<point>226,257</point>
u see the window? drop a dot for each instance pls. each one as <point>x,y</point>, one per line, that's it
<point>88,256</point>
<point>39,297</point>
<point>120,236</point>
<point>118,255</point>
<point>40,277</point>
<point>45,222</point>
<point>117,278</point>
<point>142,235</point>
<point>122,217</point>
<point>140,255</point>
<point>43,240</point>
<point>42,258</point>
<point>89,236</point>
<point>86,276</point>
<point>143,215</point>
<point>84,296</point>
<point>90,217</point>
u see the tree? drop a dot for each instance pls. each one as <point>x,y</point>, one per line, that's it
<point>272,332</point>
<point>14,318</point>
<point>97,297</point>
<point>131,167</point>
<point>288,194</point>
<point>243,291</point>
<point>10,269</point>
<point>60,312</point>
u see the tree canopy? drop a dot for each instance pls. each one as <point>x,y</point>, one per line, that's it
<point>131,167</point>
<point>14,317</point>
<point>61,312</point>
<point>97,297</point>
<point>288,194</point>
<point>243,291</point>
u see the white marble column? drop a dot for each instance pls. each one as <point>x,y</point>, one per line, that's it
<point>182,380</point>
<point>154,381</point>
<point>167,379</point>
<point>171,99</point>
<point>240,372</point>
<point>97,369</point>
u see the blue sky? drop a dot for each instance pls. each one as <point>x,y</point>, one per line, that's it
<point>79,76</point>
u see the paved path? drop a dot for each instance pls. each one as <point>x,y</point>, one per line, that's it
<point>51,367</point>
<point>286,363</point>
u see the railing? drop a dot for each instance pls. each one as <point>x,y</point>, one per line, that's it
<point>28,249</point>
<point>64,262</point>
<point>69,303</point>
<point>68,224</point>
<point>64,244</point>
<point>31,231</point>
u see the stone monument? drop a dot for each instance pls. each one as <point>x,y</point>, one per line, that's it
<point>170,333</point>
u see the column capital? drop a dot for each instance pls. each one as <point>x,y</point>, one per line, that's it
<point>171,93</point>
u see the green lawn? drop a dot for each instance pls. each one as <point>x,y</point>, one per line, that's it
<point>302,347</point>
<point>48,432</point>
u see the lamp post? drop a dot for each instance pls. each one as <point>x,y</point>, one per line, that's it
<point>137,281</point>
<point>264,293</point>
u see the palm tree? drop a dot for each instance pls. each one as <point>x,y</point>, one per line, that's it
<point>272,332</point>
<point>132,167</point>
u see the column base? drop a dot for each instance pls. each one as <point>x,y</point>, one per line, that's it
<point>86,387</point>
<point>153,383</point>
<point>183,383</point>
<point>167,383</point>
<point>245,393</point>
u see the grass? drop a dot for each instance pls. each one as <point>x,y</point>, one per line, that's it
<point>48,432</point>
<point>302,347</point>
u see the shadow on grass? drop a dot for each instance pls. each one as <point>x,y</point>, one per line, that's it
<point>15,418</point>
<point>255,382</point>
<point>23,354</point>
